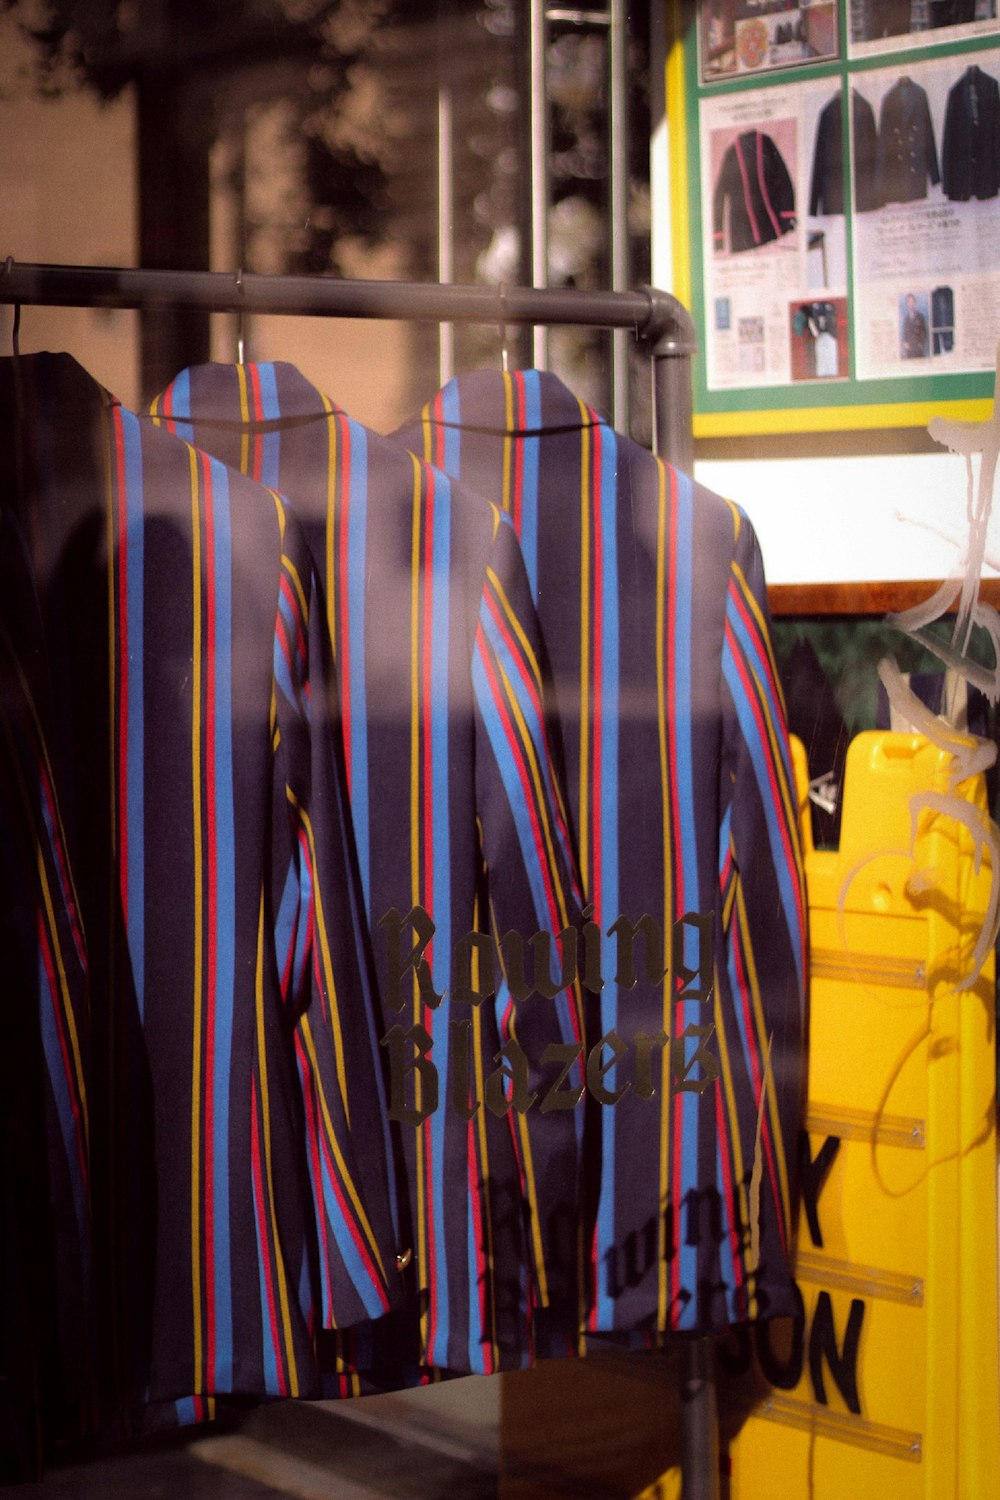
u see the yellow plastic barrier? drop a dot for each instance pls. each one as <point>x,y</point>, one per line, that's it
<point>889,1387</point>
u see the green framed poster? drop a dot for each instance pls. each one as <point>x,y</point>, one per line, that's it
<point>835,209</point>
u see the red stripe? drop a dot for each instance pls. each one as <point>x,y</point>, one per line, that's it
<point>348,1216</point>
<point>343,510</point>
<point>752,698</point>
<point>482,1256</point>
<point>211,914</point>
<point>678,872</point>
<point>514,742</point>
<point>746,194</point>
<point>438,432</point>
<point>597,673</point>
<point>300,634</point>
<point>519,454</point>
<point>123,657</point>
<point>257,450</point>
<point>262,1234</point>
<point>763,185</point>
<point>315,1167</point>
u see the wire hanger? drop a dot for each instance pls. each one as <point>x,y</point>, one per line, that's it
<point>240,324</point>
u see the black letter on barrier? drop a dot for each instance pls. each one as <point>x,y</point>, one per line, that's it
<point>512,948</point>
<point>596,1068</point>
<point>557,1097</point>
<point>644,1086</point>
<point>422,925</point>
<point>812,1175</point>
<point>465,949</point>
<point>513,1065</point>
<point>461,1094</point>
<point>399,1065</point>
<point>703,973</point>
<point>783,1373</point>
<point>680,1066</point>
<point>823,1342</point>
<point>625,932</point>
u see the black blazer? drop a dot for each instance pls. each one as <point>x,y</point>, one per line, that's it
<point>826,191</point>
<point>906,154</point>
<point>755,180</point>
<point>970,153</point>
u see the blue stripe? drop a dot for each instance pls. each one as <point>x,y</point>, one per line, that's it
<point>725,831</point>
<point>608,730</point>
<point>451,413</point>
<point>180,401</point>
<point>530,449</point>
<point>287,919</point>
<point>357,563</point>
<point>690,1012</point>
<point>440,489</point>
<point>285,669</point>
<point>185,1411</point>
<point>225,952</point>
<point>133,500</point>
<point>270,1357</point>
<point>271,446</point>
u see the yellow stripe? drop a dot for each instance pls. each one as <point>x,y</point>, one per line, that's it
<point>196,1083</point>
<point>680,216</point>
<point>331,1134</point>
<point>838,418</point>
<point>484,1172</point>
<point>760,1027</point>
<point>324,950</point>
<point>541,804</point>
<point>586,874</point>
<point>279,507</point>
<point>241,377</point>
<point>415,892</point>
<point>740,1187</point>
<point>286,1321</point>
<point>508,442</point>
<point>425,423</point>
<point>668,896</point>
<point>300,593</point>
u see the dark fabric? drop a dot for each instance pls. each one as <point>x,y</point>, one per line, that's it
<point>970,151</point>
<point>651,598</point>
<point>238,1189</point>
<point>755,186</point>
<point>952,12</point>
<point>455,811</point>
<point>907,153</point>
<point>915,335</point>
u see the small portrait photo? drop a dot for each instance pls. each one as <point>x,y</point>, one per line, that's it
<point>818,339</point>
<point>723,314</point>
<point>942,320</point>
<point>718,39</point>
<point>914,325</point>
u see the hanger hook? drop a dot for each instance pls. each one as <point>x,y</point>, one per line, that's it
<point>240,339</point>
<point>504,352</point>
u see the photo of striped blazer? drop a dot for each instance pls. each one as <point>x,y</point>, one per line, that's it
<point>651,598</point>
<point>239,1192</point>
<point>459,831</point>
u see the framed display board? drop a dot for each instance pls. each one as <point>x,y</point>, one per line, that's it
<point>835,203</point>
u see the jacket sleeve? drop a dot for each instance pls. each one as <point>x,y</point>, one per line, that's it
<point>824,157</point>
<point>533,898</point>
<point>762,887</point>
<point>779,184</point>
<point>930,147</point>
<point>723,190</point>
<point>324,964</point>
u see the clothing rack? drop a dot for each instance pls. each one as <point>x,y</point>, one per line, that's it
<point>657,319</point>
<point>660,323</point>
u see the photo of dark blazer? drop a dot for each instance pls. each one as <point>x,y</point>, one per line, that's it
<point>970,151</point>
<point>907,153</point>
<point>952,12</point>
<point>826,191</point>
<point>755,182</point>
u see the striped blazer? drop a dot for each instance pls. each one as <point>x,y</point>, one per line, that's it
<point>46,1341</point>
<point>459,832</point>
<point>651,598</point>
<point>239,1187</point>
